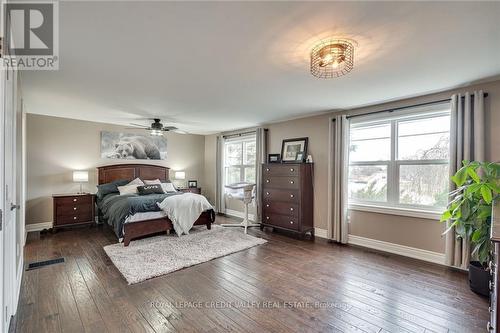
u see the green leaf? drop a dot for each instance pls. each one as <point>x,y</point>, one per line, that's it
<point>476,235</point>
<point>472,174</point>
<point>486,193</point>
<point>445,216</point>
<point>460,176</point>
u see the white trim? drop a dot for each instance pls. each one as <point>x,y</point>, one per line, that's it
<point>321,233</point>
<point>407,251</point>
<point>435,216</point>
<point>38,226</point>
<point>236,213</point>
<point>19,276</point>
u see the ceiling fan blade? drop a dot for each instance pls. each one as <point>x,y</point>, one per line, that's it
<point>138,125</point>
<point>178,131</point>
<point>169,128</point>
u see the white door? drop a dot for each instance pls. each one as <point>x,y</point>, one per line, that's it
<point>10,204</point>
<point>2,200</point>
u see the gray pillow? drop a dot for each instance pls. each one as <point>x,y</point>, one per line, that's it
<point>108,188</point>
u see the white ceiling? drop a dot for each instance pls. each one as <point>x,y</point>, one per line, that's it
<point>209,67</point>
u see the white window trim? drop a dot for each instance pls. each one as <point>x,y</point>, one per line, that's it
<point>241,140</point>
<point>400,211</point>
<point>391,205</point>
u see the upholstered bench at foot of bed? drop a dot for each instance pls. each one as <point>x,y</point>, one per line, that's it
<point>149,227</point>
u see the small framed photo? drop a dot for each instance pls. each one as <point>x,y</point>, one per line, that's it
<point>192,183</point>
<point>300,157</point>
<point>290,148</point>
<point>274,158</point>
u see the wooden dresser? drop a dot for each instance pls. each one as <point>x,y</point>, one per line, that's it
<point>494,284</point>
<point>73,209</point>
<point>287,197</point>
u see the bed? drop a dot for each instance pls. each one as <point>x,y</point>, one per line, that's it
<point>151,222</point>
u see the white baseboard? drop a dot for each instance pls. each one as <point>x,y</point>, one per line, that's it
<point>38,226</point>
<point>321,233</point>
<point>236,213</point>
<point>407,251</point>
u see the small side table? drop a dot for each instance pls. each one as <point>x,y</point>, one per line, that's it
<point>196,190</point>
<point>73,209</point>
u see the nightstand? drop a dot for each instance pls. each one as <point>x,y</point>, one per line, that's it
<point>73,209</point>
<point>196,190</point>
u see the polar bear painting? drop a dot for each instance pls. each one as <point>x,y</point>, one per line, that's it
<point>133,146</point>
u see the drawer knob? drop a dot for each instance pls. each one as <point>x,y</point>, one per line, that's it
<point>74,200</point>
<point>74,208</point>
<point>74,217</point>
<point>292,170</point>
<point>291,181</point>
<point>267,193</point>
<point>291,208</point>
<point>291,195</point>
<point>291,222</point>
<point>267,169</point>
<point>267,205</point>
<point>267,217</point>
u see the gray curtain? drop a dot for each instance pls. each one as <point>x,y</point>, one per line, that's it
<point>219,176</point>
<point>261,158</point>
<point>466,143</point>
<point>338,155</point>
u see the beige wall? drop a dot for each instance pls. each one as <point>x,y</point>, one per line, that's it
<point>408,231</point>
<point>57,146</point>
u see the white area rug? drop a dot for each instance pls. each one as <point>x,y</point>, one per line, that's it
<point>150,257</point>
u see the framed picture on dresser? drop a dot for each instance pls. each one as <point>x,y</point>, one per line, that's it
<point>290,148</point>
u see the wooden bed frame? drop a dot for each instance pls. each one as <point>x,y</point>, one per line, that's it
<point>109,173</point>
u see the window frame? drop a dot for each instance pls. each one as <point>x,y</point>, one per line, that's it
<point>392,205</point>
<point>241,140</point>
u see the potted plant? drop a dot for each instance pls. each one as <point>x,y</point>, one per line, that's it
<point>470,211</point>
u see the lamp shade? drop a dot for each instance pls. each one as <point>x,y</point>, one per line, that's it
<point>80,176</point>
<point>180,175</point>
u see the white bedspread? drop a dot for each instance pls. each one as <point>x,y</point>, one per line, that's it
<point>183,210</point>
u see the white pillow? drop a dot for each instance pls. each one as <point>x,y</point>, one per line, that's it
<point>152,182</point>
<point>168,187</point>
<point>128,189</point>
<point>136,181</point>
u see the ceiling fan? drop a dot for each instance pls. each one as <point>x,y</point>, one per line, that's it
<point>157,128</point>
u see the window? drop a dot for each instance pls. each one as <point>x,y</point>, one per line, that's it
<point>239,160</point>
<point>401,161</point>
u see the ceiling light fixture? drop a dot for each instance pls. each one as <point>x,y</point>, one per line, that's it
<point>332,58</point>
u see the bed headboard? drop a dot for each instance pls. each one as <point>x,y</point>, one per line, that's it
<point>109,173</point>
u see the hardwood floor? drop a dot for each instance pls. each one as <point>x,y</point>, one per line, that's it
<point>286,285</point>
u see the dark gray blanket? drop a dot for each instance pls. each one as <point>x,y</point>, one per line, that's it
<point>116,208</point>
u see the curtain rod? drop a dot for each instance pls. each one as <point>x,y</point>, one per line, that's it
<point>406,107</point>
<point>240,134</point>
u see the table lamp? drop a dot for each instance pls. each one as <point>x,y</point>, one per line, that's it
<point>180,175</point>
<point>80,177</point>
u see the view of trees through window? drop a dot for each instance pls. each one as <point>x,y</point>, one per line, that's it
<point>239,160</point>
<point>400,162</point>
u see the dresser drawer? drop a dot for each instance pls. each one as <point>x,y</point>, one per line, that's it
<point>66,210</point>
<point>281,195</point>
<point>281,221</point>
<point>283,208</point>
<point>280,170</point>
<point>76,218</point>
<point>281,182</point>
<point>83,199</point>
